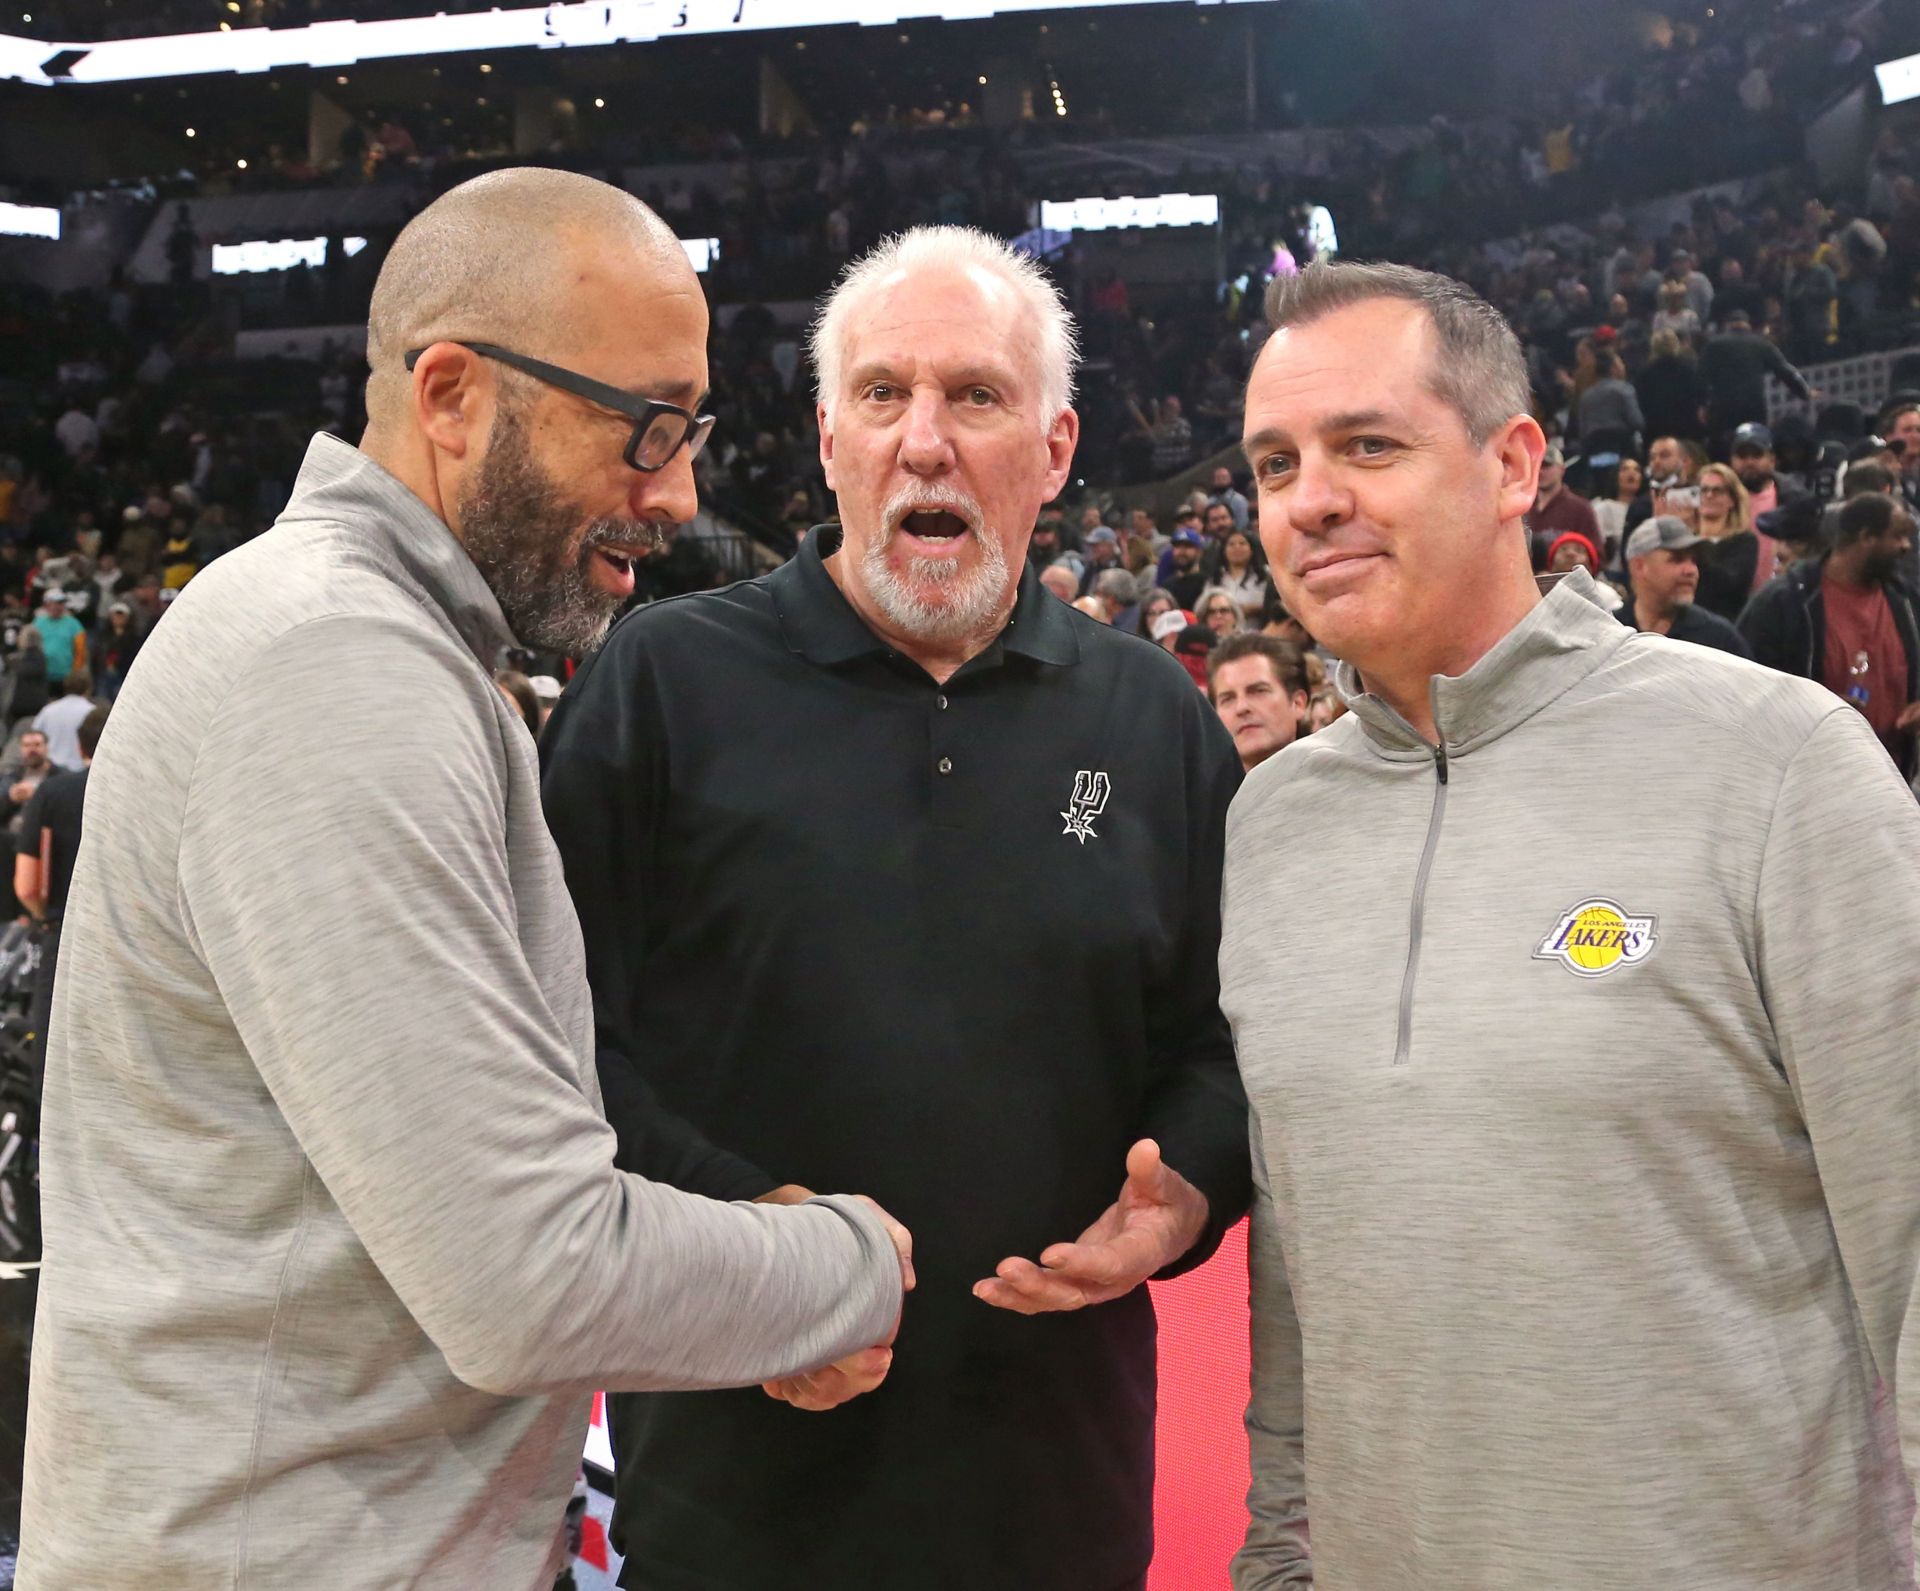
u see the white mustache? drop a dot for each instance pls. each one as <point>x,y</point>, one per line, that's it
<point>928,498</point>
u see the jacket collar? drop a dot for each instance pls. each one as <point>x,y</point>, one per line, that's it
<point>1563,639</point>
<point>341,485</point>
<point>823,627</point>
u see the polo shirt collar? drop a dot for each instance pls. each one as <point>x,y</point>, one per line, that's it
<point>821,625</point>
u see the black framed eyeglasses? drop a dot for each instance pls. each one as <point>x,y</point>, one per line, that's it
<point>659,429</point>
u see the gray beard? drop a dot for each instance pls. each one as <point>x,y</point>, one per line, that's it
<point>934,600</point>
<point>519,529</point>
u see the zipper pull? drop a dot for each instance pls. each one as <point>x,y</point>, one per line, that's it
<point>1440,761</point>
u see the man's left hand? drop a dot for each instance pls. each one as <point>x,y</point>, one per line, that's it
<point>1157,1218</point>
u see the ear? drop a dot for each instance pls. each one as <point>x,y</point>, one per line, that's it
<point>453,398</point>
<point>825,423</point>
<point>1063,436</point>
<point>1300,703</point>
<point>1518,447</point>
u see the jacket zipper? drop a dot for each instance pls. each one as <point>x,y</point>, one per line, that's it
<point>1404,1043</point>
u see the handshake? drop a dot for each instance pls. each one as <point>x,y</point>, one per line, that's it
<point>1158,1216</point>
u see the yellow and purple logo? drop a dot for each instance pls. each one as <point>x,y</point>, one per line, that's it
<point>1598,937</point>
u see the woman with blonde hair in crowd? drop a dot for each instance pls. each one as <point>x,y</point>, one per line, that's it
<point>1733,564</point>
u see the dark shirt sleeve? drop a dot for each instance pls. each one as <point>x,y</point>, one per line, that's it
<point>1784,369</point>
<point>1196,1109</point>
<point>32,820</point>
<point>603,771</point>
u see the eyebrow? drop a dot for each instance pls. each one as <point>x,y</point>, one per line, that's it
<point>967,375</point>
<point>1345,420</point>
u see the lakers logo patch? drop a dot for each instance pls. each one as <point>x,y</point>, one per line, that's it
<point>1598,937</point>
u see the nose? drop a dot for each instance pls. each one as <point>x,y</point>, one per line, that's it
<point>926,447</point>
<point>1318,500</point>
<point>668,493</point>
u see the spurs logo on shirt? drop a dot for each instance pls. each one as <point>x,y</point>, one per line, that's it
<point>1597,937</point>
<point>1090,791</point>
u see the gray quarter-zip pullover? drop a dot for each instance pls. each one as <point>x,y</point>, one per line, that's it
<point>1583,1053</point>
<point>336,1252</point>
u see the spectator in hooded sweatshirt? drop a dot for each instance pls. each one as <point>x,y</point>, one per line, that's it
<point>1849,621</point>
<point>1585,1221</point>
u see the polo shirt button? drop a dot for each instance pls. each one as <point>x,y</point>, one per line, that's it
<point>946,765</point>
<point>943,704</point>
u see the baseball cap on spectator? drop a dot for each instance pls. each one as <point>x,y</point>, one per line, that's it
<point>1754,435</point>
<point>1663,531</point>
<point>1737,317</point>
<point>1554,456</point>
<point>57,595</point>
<point>1102,533</point>
<point>1172,622</point>
<point>119,607</point>
<point>546,687</point>
<point>1866,448</point>
<point>1188,538</point>
<point>132,514</point>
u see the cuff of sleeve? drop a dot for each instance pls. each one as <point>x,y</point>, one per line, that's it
<point>1228,1193</point>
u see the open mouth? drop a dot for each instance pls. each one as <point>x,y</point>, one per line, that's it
<point>933,524</point>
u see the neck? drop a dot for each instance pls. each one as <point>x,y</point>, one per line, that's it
<point>942,658</point>
<point>1651,615</point>
<point>1716,529</point>
<point>410,462</point>
<point>1406,686</point>
<point>1849,565</point>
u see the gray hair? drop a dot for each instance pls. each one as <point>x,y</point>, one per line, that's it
<point>1055,344</point>
<point>1117,585</point>
<point>1478,369</point>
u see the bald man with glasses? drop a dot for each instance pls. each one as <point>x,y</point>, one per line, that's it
<point>338,1244</point>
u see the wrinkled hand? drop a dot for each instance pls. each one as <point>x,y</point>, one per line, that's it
<point>845,1379</point>
<point>1157,1218</point>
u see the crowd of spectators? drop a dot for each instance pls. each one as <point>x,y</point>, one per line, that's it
<point>135,449</point>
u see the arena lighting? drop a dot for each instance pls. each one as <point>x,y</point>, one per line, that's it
<point>29,221</point>
<point>701,252</point>
<point>1103,215</point>
<point>580,23</point>
<point>246,259</point>
<point>1899,80</point>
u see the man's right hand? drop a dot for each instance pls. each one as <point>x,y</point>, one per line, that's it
<point>861,1372</point>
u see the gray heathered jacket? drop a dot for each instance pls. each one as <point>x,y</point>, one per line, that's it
<point>335,1247</point>
<point>1581,1237</point>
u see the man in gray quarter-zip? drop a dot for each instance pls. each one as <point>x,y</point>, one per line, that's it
<point>1587,1220</point>
<point>337,1249</point>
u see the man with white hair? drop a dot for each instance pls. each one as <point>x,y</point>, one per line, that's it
<point>877,885</point>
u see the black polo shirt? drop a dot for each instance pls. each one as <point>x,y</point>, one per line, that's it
<point>1694,623</point>
<point>951,946</point>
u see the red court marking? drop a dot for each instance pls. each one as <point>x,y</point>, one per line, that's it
<point>1200,1500</point>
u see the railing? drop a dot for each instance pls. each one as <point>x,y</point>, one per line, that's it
<point>1865,379</point>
